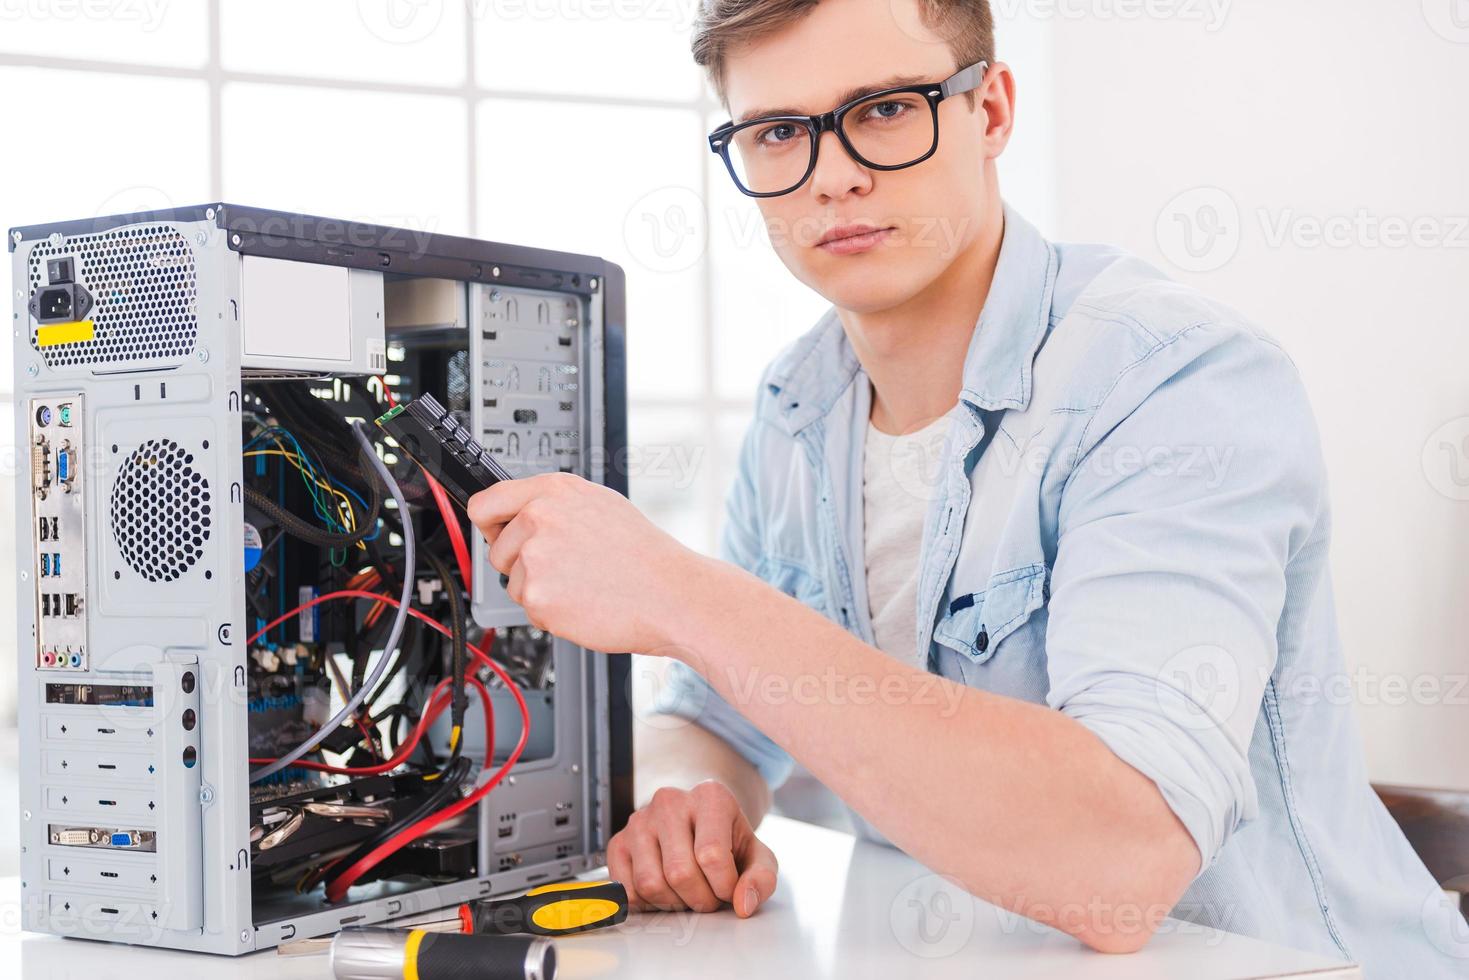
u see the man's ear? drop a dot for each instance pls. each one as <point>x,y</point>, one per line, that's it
<point>997,104</point>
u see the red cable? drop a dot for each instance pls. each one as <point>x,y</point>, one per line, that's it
<point>400,754</point>
<point>336,890</point>
<point>456,533</point>
<point>338,887</point>
<point>446,510</point>
<point>431,711</point>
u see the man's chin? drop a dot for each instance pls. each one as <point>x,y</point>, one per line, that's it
<point>868,290</point>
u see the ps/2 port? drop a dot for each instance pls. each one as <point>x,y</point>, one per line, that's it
<point>43,415</point>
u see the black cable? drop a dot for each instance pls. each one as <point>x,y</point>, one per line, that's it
<point>307,531</point>
<point>400,616</point>
<point>411,636</point>
<point>301,411</point>
<point>459,658</point>
<point>448,786</point>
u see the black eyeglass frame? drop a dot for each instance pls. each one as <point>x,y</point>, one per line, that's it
<point>962,81</point>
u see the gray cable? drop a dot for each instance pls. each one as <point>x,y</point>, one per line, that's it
<point>370,682</point>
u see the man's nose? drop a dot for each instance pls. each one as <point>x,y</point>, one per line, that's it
<point>837,174</point>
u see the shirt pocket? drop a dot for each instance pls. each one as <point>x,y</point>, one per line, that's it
<point>976,624</point>
<point>794,580</point>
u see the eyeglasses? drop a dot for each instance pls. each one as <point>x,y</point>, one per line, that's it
<point>887,130</point>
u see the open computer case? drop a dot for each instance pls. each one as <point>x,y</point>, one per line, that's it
<point>188,388</point>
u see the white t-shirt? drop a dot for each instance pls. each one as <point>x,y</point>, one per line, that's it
<point>900,476</point>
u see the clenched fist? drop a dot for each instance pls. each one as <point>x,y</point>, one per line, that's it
<point>692,849</point>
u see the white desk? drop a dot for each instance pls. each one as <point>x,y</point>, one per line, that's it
<point>844,909</point>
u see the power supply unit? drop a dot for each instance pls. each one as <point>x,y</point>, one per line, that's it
<point>269,684</point>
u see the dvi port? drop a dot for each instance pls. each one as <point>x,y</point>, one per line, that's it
<point>107,837</point>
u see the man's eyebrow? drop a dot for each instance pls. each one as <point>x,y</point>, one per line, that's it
<point>852,94</point>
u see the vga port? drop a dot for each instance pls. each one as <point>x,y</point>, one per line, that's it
<point>65,466</point>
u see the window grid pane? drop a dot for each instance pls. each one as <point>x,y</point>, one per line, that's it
<point>468,150</point>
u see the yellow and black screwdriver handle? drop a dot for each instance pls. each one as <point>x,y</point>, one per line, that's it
<point>554,910</point>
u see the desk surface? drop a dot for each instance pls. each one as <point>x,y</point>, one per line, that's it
<point>843,909</point>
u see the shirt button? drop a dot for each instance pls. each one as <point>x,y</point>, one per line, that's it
<point>982,641</point>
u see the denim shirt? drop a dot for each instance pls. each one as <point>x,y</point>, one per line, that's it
<point>1160,575</point>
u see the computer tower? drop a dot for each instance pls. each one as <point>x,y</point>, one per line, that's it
<point>187,388</point>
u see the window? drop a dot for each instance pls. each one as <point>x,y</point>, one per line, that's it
<point>487,118</point>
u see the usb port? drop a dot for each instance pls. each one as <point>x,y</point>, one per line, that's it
<point>504,832</point>
<point>562,819</point>
<point>45,604</point>
<point>45,529</point>
<point>56,564</point>
<point>55,529</point>
<point>71,604</point>
<point>45,565</point>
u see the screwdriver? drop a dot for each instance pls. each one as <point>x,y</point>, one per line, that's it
<point>416,954</point>
<point>550,910</point>
<point>459,919</point>
<point>554,910</point>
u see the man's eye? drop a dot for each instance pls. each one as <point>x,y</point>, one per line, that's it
<point>777,135</point>
<point>883,111</point>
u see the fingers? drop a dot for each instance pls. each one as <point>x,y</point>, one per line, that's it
<point>680,869</point>
<point>692,849</point>
<point>647,873</point>
<point>500,503</point>
<point>619,866</point>
<point>715,813</point>
<point>758,869</point>
<point>505,546</point>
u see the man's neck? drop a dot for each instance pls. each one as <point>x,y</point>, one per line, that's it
<point>914,353</point>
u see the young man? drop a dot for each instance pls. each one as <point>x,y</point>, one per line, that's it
<point>1074,665</point>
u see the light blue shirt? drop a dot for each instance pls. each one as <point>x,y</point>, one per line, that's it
<point>1161,577</point>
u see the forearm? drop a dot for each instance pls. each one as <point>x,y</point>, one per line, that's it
<point>685,756</point>
<point>1023,805</point>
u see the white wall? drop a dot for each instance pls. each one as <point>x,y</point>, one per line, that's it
<point>1292,113</point>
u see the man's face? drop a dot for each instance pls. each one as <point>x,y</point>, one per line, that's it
<point>921,216</point>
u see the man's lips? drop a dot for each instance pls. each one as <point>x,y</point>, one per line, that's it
<point>851,239</point>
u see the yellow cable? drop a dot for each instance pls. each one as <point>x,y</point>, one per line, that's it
<point>453,747</point>
<point>350,522</point>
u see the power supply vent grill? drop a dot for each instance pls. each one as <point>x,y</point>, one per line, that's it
<point>160,511</point>
<point>144,284</point>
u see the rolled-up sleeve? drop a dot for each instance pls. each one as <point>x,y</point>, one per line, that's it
<point>1195,482</point>
<point>688,695</point>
